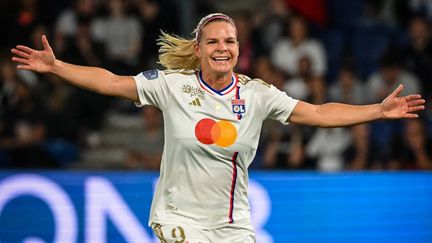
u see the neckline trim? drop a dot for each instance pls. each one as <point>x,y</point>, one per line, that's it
<point>230,87</point>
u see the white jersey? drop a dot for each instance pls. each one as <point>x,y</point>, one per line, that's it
<point>211,138</point>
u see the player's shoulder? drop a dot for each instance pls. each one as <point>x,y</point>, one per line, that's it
<point>179,72</point>
<point>156,73</point>
<point>252,82</point>
<point>179,76</point>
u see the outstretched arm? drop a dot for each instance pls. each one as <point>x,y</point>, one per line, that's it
<point>92,78</point>
<point>337,115</point>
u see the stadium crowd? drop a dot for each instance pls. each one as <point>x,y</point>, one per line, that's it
<point>325,50</point>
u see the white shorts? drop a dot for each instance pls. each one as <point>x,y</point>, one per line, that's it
<point>187,234</point>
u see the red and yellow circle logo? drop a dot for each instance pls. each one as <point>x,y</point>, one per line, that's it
<point>222,133</point>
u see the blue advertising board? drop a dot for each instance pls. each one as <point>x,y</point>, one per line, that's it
<point>69,207</point>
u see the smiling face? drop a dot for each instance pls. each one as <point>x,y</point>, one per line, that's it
<point>218,48</point>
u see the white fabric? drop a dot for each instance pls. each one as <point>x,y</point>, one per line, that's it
<point>377,88</point>
<point>328,145</point>
<point>118,34</point>
<point>285,56</point>
<point>186,233</point>
<point>297,88</point>
<point>66,23</point>
<point>196,179</point>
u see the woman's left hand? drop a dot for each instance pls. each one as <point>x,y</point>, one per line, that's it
<point>395,107</point>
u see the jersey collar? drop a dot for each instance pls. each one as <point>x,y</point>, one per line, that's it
<point>221,92</point>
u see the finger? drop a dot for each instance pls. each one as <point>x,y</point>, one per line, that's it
<point>19,53</point>
<point>416,108</point>
<point>24,67</point>
<point>45,43</point>
<point>397,91</point>
<point>20,60</point>
<point>412,97</point>
<point>416,102</point>
<point>408,115</point>
<point>25,49</point>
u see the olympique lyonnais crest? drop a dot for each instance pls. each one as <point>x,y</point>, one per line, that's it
<point>238,106</point>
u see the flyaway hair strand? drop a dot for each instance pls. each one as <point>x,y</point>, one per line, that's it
<point>176,52</point>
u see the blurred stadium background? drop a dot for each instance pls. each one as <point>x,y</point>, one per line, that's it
<point>367,183</point>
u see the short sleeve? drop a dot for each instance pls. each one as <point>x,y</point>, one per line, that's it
<point>152,88</point>
<point>277,104</point>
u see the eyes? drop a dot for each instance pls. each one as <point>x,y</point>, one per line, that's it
<point>215,42</point>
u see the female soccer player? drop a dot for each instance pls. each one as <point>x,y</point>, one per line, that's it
<point>213,119</point>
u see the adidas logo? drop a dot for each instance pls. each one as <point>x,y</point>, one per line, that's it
<point>195,102</point>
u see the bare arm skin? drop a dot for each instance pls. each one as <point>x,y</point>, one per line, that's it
<point>337,114</point>
<point>95,79</point>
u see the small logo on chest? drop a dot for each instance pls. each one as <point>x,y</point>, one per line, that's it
<point>222,133</point>
<point>238,106</point>
<point>193,91</point>
<point>195,102</point>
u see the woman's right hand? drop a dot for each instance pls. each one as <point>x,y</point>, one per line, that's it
<point>30,59</point>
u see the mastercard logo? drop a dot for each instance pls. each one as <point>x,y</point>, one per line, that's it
<point>222,133</point>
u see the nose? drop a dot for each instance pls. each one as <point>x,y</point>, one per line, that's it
<point>222,47</point>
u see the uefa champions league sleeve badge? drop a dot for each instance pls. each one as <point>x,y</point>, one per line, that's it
<point>151,74</point>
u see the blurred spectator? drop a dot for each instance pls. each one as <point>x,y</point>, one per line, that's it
<point>121,35</point>
<point>417,54</point>
<point>388,77</point>
<point>247,49</point>
<point>297,86</point>
<point>342,148</point>
<point>421,7</point>
<point>270,25</point>
<point>380,13</point>
<point>9,81</point>
<point>23,103</point>
<point>151,22</point>
<point>394,15</point>
<point>80,48</point>
<point>35,34</point>
<point>411,149</point>
<point>348,88</point>
<point>155,15</point>
<point>287,52</point>
<point>314,11</point>
<point>7,25</point>
<point>379,85</point>
<point>263,68</point>
<point>326,147</point>
<point>359,154</point>
<point>86,109</point>
<point>282,147</point>
<point>26,18</point>
<point>67,22</point>
<point>56,101</point>
<point>306,86</point>
<point>144,150</point>
<point>285,147</point>
<point>22,131</point>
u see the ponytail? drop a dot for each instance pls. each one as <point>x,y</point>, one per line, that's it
<point>176,52</point>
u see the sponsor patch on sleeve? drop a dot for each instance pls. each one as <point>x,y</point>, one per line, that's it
<point>151,74</point>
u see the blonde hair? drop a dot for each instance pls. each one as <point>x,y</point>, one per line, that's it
<point>176,52</point>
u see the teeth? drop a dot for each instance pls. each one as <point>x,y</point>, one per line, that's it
<point>221,58</point>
